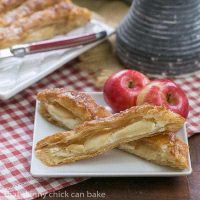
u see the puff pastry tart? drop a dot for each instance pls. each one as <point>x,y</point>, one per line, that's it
<point>6,5</point>
<point>98,136</point>
<point>23,9</point>
<point>39,20</point>
<point>69,108</point>
<point>165,149</point>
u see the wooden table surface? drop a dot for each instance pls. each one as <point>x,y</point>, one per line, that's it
<point>140,188</point>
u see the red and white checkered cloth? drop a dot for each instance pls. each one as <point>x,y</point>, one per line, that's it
<point>16,127</point>
<point>191,86</point>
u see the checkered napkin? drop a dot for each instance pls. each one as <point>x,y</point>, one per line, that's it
<point>16,127</point>
<point>191,86</point>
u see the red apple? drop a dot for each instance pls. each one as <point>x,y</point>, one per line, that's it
<point>167,93</point>
<point>121,89</point>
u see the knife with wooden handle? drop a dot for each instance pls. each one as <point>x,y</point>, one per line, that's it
<point>25,49</point>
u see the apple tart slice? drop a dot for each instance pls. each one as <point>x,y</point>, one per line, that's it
<point>69,108</point>
<point>95,137</point>
<point>163,149</point>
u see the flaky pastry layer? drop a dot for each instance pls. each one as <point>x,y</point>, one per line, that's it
<point>165,149</point>
<point>98,136</point>
<point>69,108</point>
<point>6,5</point>
<point>44,24</point>
<point>25,9</point>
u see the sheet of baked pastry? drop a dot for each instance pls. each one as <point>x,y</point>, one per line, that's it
<point>34,20</point>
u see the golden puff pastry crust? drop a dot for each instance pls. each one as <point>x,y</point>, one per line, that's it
<point>69,108</point>
<point>25,9</point>
<point>165,149</point>
<point>44,24</point>
<point>95,137</point>
<point>6,5</point>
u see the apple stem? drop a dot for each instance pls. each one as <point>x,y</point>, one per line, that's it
<point>170,99</point>
<point>130,84</point>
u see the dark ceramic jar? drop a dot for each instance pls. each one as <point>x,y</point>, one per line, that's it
<point>161,37</point>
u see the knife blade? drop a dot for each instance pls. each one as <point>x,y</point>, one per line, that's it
<point>5,53</point>
<point>25,49</point>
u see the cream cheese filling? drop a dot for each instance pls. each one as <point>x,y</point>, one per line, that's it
<point>62,115</point>
<point>137,128</point>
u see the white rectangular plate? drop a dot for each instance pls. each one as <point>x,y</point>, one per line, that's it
<point>112,163</point>
<point>17,74</point>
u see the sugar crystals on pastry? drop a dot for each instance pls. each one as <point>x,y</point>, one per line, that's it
<point>95,137</point>
<point>69,108</point>
<point>24,9</point>
<point>6,5</point>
